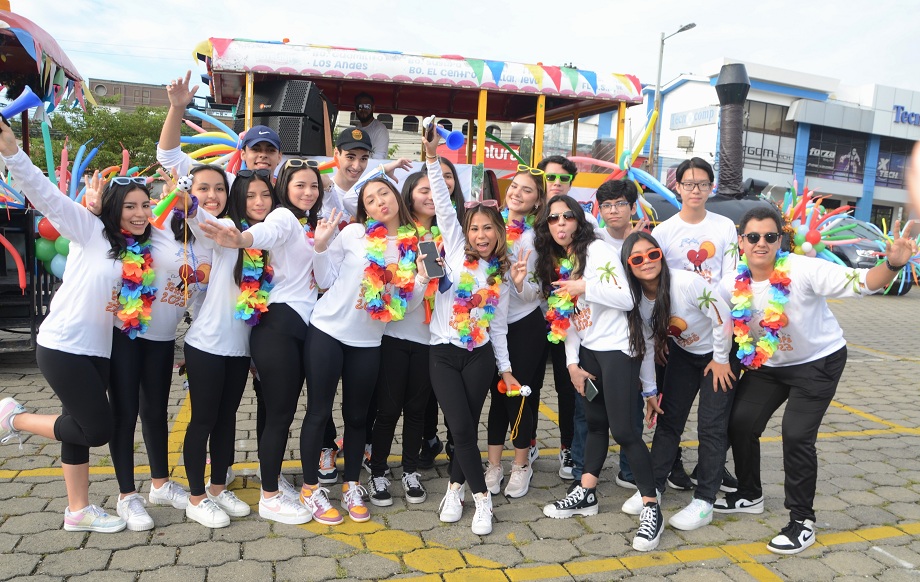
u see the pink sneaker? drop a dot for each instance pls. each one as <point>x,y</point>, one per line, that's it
<point>8,409</point>
<point>353,500</point>
<point>316,500</point>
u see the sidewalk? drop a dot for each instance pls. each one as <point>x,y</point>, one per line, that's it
<point>868,517</point>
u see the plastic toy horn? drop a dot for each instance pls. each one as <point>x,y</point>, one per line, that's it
<point>27,100</point>
<point>165,206</point>
<point>454,139</point>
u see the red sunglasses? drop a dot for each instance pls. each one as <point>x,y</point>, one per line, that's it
<point>651,255</point>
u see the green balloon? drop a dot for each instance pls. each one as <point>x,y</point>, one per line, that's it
<point>44,250</point>
<point>62,246</point>
<point>47,266</point>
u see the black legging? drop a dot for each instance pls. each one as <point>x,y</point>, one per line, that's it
<point>612,410</point>
<point>461,380</point>
<point>565,395</point>
<point>80,382</point>
<point>277,348</point>
<point>216,386</point>
<point>403,387</point>
<point>527,353</point>
<point>141,374</point>
<point>358,368</point>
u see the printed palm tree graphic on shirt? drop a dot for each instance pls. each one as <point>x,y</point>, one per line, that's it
<point>733,252</point>
<point>853,279</point>
<point>607,273</point>
<point>706,301</point>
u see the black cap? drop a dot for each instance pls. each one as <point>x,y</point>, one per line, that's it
<point>353,138</point>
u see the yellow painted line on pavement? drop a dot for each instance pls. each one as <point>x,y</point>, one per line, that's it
<point>866,415</point>
<point>177,432</point>
<point>549,413</point>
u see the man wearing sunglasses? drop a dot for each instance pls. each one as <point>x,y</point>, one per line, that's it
<point>380,135</point>
<point>703,242</point>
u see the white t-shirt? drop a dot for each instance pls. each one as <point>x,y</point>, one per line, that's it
<point>708,248</point>
<point>169,257</point>
<point>215,329</point>
<point>812,331</point>
<point>380,138</point>
<point>522,304</point>
<point>291,258</point>
<point>340,312</point>
<point>616,243</point>
<point>78,321</point>
<point>443,326</point>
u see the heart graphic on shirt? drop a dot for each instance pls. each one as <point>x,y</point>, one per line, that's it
<point>189,275</point>
<point>697,257</point>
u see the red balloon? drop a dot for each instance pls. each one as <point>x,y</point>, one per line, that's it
<point>47,230</point>
<point>813,236</point>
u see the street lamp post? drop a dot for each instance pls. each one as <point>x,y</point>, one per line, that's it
<point>655,138</point>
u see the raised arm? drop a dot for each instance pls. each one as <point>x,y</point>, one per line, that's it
<point>451,231</point>
<point>169,153</point>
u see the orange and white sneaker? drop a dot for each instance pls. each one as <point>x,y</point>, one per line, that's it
<point>353,500</point>
<point>316,500</point>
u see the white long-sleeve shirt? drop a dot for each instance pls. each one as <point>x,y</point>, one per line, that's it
<point>812,331</point>
<point>291,259</point>
<point>522,304</point>
<point>340,312</point>
<point>79,319</point>
<point>701,319</point>
<point>708,248</point>
<point>443,330</point>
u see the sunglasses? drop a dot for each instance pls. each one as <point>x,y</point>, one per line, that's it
<point>651,255</point>
<point>477,203</point>
<point>299,163</point>
<point>555,218</point>
<point>125,181</point>
<point>564,178</point>
<point>754,237</point>
<point>250,173</point>
<point>364,106</point>
<point>533,171</point>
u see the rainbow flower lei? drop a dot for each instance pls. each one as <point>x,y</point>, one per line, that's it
<point>380,304</point>
<point>307,230</point>
<point>774,319</point>
<point>137,294</point>
<point>472,331</point>
<point>561,304</point>
<point>515,228</point>
<point>255,285</point>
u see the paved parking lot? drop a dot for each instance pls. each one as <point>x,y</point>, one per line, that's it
<point>868,516</point>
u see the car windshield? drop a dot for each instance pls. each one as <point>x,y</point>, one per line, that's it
<point>860,230</point>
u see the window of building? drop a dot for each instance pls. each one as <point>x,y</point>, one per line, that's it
<point>410,124</point>
<point>146,97</point>
<point>386,119</point>
<point>879,213</point>
<point>836,154</point>
<point>353,119</point>
<point>495,130</point>
<point>138,97</point>
<point>101,90</point>
<point>892,159</point>
<point>446,124</point>
<point>769,140</point>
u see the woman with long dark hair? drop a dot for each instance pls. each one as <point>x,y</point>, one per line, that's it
<point>217,352</point>
<point>681,309</point>
<point>588,300</point>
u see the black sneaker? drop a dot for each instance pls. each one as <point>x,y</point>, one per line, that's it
<point>428,452</point>
<point>573,485</point>
<point>415,491</point>
<point>650,526</point>
<point>736,503</point>
<point>378,490</point>
<point>625,483</point>
<point>678,479</point>
<point>729,482</point>
<point>579,501</point>
<point>793,538</point>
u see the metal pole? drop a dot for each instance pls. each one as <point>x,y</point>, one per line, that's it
<point>653,145</point>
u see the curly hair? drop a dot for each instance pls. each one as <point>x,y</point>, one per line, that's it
<point>661,313</point>
<point>501,246</point>
<point>549,252</point>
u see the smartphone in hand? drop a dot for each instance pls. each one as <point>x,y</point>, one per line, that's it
<point>654,420</point>
<point>430,250</point>
<point>591,390</point>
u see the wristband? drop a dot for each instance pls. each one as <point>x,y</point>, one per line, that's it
<point>179,213</point>
<point>892,267</point>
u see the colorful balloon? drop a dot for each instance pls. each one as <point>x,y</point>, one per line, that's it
<point>47,230</point>
<point>58,264</point>
<point>44,250</point>
<point>62,246</point>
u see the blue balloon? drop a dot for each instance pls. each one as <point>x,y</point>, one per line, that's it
<point>58,264</point>
<point>647,179</point>
<point>197,139</point>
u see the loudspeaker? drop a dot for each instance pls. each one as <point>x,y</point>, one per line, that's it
<point>299,135</point>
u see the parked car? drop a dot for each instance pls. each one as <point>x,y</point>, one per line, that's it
<point>863,255</point>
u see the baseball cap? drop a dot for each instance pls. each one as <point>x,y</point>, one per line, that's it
<point>353,138</point>
<point>258,134</point>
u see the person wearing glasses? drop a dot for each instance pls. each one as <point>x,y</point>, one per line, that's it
<point>379,134</point>
<point>371,276</point>
<point>793,352</point>
<point>217,353</point>
<point>75,339</point>
<point>277,344</point>
<point>526,344</point>
<point>469,334</point>
<point>589,299</point>
<point>683,306</point>
<point>702,242</point>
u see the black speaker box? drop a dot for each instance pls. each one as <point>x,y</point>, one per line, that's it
<point>291,97</point>
<point>299,135</point>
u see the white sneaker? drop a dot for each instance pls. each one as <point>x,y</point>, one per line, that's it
<point>230,503</point>
<point>171,493</point>
<point>634,505</point>
<point>207,513</point>
<point>494,474</point>
<point>92,518</point>
<point>451,507</point>
<point>283,509</point>
<point>230,476</point>
<point>8,409</point>
<point>794,538</point>
<point>694,516</point>
<point>131,509</point>
<point>519,483</point>
<point>287,489</point>
<point>566,464</point>
<point>482,519</point>
<point>533,454</point>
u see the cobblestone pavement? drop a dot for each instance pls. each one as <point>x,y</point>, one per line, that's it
<point>867,502</point>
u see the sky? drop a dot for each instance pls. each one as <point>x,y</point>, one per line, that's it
<point>151,41</point>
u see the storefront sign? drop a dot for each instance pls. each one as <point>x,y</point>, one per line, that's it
<point>902,115</point>
<point>694,117</point>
